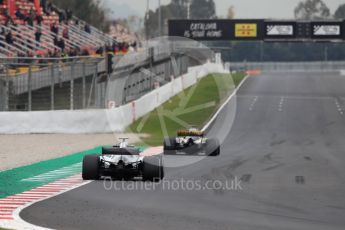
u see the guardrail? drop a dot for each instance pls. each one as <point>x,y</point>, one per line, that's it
<point>79,83</point>
<point>289,66</point>
<point>36,84</point>
<point>47,84</point>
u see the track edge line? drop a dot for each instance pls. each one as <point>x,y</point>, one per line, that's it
<point>209,123</point>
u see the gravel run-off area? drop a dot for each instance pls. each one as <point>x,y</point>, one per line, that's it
<point>21,150</point>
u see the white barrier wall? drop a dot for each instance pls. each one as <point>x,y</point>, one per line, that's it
<point>100,121</point>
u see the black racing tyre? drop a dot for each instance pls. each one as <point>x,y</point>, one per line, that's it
<point>161,167</point>
<point>153,169</point>
<point>170,146</point>
<point>91,167</point>
<point>213,147</point>
<point>169,143</point>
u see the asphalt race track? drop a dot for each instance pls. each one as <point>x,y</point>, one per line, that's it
<point>286,145</point>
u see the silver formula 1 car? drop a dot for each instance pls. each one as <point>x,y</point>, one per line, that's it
<point>122,161</point>
<point>191,142</point>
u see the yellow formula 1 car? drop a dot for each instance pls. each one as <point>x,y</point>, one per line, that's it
<point>191,142</point>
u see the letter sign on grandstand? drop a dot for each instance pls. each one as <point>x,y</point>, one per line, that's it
<point>203,30</point>
<point>200,29</point>
<point>246,30</point>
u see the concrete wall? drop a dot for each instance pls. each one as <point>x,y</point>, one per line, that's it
<point>99,121</point>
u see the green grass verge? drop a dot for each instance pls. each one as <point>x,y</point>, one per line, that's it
<point>194,106</point>
<point>11,181</point>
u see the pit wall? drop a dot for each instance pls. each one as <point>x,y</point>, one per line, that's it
<point>101,120</point>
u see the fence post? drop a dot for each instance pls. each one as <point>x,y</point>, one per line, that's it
<point>151,56</point>
<point>52,88</point>
<point>93,82</point>
<point>7,95</point>
<point>30,89</point>
<point>72,87</point>
<point>104,102</point>
<point>7,90</point>
<point>4,94</point>
<point>95,86</point>
<point>175,67</point>
<point>84,86</point>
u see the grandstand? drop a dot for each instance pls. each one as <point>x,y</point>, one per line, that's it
<point>52,60</point>
<point>28,30</point>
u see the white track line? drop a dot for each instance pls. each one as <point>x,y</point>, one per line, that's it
<point>224,104</point>
<point>339,108</point>
<point>55,174</point>
<point>251,107</point>
<point>280,107</point>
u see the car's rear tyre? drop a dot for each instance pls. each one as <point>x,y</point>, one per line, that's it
<point>153,169</point>
<point>213,147</point>
<point>161,167</point>
<point>169,143</point>
<point>169,146</point>
<point>91,167</point>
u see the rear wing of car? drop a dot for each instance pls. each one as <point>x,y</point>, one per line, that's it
<point>185,133</point>
<point>183,153</point>
<point>120,151</point>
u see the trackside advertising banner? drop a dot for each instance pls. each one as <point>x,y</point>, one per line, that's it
<point>201,29</point>
<point>327,30</point>
<point>206,30</point>
<point>247,29</point>
<point>276,30</point>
